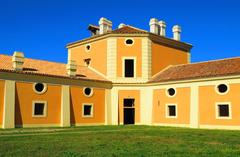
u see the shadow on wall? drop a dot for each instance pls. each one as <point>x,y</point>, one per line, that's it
<point>118,112</point>
<point>72,115</point>
<point>18,113</point>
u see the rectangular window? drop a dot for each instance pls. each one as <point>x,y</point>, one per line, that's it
<point>128,102</point>
<point>171,111</point>
<point>129,67</point>
<point>223,110</point>
<point>39,109</point>
<point>87,110</point>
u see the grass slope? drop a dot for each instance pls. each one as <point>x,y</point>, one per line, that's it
<point>119,141</point>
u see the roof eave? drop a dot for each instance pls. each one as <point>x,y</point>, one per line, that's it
<point>195,79</point>
<point>51,75</point>
<point>98,37</point>
<point>170,42</point>
<point>155,38</point>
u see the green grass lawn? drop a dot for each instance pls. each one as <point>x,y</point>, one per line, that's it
<point>119,141</point>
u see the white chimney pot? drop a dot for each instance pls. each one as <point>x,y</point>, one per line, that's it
<point>154,27</point>
<point>104,25</point>
<point>18,60</point>
<point>177,32</point>
<point>71,68</point>
<point>162,26</point>
<point>121,25</point>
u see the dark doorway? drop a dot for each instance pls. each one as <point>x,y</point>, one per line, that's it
<point>129,111</point>
<point>129,114</point>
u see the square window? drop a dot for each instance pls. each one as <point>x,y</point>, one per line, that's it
<point>171,110</point>
<point>223,110</point>
<point>87,110</point>
<point>128,102</point>
<point>39,109</point>
<point>129,67</point>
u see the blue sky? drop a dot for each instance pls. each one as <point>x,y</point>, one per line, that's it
<point>42,28</point>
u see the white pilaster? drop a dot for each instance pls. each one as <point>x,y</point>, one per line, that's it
<point>146,59</point>
<point>65,106</point>
<point>114,107</point>
<point>146,103</point>
<point>112,58</point>
<point>194,107</point>
<point>69,54</point>
<point>189,57</point>
<point>9,105</point>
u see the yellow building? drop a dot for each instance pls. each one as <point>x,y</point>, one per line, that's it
<point>121,76</point>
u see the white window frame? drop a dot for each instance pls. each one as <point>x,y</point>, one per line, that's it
<point>91,94</point>
<point>167,111</point>
<point>92,111</point>
<point>134,64</point>
<point>216,89</point>
<point>217,110</point>
<point>44,110</point>
<point>44,89</point>
<point>166,92</point>
<point>129,44</point>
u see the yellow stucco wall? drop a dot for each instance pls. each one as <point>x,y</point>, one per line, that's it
<point>207,105</point>
<point>181,99</point>
<point>25,95</point>
<point>134,50</point>
<point>77,98</point>
<point>97,53</point>
<point>129,94</point>
<point>163,56</point>
<point>1,100</point>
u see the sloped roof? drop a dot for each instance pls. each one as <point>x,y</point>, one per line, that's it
<point>225,67</point>
<point>207,69</point>
<point>46,68</point>
<point>124,30</point>
<point>129,30</point>
<point>133,30</point>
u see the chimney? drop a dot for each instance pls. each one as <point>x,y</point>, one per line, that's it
<point>154,27</point>
<point>162,26</point>
<point>176,32</point>
<point>105,25</point>
<point>71,68</point>
<point>17,61</point>
<point>121,25</point>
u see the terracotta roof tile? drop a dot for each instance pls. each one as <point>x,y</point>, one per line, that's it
<point>215,68</point>
<point>129,30</point>
<point>124,30</point>
<point>46,68</point>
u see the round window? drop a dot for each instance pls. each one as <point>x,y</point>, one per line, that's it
<point>40,88</point>
<point>88,47</point>
<point>171,91</point>
<point>129,42</point>
<point>222,88</point>
<point>88,91</point>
